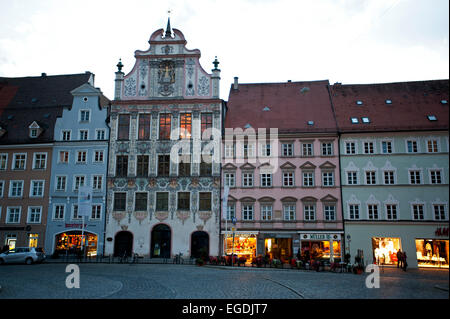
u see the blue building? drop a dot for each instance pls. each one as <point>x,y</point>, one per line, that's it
<point>79,159</point>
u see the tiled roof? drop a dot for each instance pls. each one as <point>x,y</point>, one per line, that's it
<point>40,99</point>
<point>287,106</point>
<point>410,104</point>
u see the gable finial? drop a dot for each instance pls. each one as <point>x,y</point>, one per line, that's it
<point>168,28</point>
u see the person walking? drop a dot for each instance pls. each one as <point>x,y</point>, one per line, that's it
<point>399,259</point>
<point>405,264</point>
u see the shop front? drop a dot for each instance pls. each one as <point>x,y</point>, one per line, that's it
<point>432,253</point>
<point>384,250</point>
<point>242,244</point>
<point>277,246</point>
<point>70,242</point>
<point>321,245</point>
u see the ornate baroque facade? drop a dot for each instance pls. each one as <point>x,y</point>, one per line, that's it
<point>156,206</point>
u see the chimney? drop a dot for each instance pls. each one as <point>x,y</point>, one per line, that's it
<point>43,74</point>
<point>235,84</point>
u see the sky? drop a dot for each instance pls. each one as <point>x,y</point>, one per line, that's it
<point>347,41</point>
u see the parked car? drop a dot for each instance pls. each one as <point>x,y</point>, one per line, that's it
<point>28,255</point>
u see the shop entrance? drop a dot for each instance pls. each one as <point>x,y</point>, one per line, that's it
<point>160,241</point>
<point>123,244</point>
<point>199,244</point>
<point>385,250</point>
<point>432,253</point>
<point>279,248</point>
<point>244,245</point>
<point>70,242</point>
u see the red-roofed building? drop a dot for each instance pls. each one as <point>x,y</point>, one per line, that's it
<point>394,170</point>
<point>281,165</point>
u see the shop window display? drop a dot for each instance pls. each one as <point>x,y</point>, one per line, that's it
<point>321,248</point>
<point>70,243</point>
<point>385,250</point>
<point>244,246</point>
<point>279,248</point>
<point>432,253</point>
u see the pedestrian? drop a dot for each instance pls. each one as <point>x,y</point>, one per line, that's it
<point>405,264</point>
<point>399,259</point>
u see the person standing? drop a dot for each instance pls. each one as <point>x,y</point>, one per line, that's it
<point>405,264</point>
<point>399,259</point>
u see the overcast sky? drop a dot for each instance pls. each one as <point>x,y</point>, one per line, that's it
<point>348,41</point>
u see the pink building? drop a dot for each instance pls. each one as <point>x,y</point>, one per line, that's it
<point>281,163</point>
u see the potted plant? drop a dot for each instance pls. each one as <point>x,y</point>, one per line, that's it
<point>276,263</point>
<point>199,262</point>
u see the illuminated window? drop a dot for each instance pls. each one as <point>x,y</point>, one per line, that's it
<point>164,126</point>
<point>185,125</point>
<point>144,127</point>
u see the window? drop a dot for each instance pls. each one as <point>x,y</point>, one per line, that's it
<point>389,178</point>
<point>100,134</point>
<point>229,179</point>
<point>162,201</point>
<point>60,183</point>
<point>266,150</point>
<point>121,165</point>
<point>37,189</point>
<point>369,148</point>
<point>184,165</point>
<point>142,165</point>
<point>81,157</point>
<point>78,182</point>
<point>206,126</point>
<point>327,178</point>
<point>371,178</point>
<point>34,215</point>
<point>205,201</point>
<point>83,135</point>
<point>96,212</point>
<point>19,161</point>
<point>185,125</point>
<point>386,147</point>
<point>435,176</point>
<point>411,146</point>
<point>439,212</point>
<point>266,180</point>
<point>140,202</point>
<point>229,150</point>
<point>15,188</point>
<point>352,178</point>
<point>123,127</point>
<point>432,146</point>
<point>75,214</point>
<point>287,149</point>
<point>247,211</point>
<point>307,149</point>
<point>231,211</point>
<point>310,212</point>
<point>418,212</point>
<point>66,135</point>
<point>34,132</point>
<point>97,182</point>
<point>144,127</point>
<point>414,177</point>
<point>365,120</point>
<point>247,179</point>
<point>289,211</point>
<point>40,160</point>
<point>266,212</point>
<point>432,117</point>
<point>372,210</point>
<point>206,165</point>
<point>249,150</point>
<point>2,187</point>
<point>164,126</point>
<point>184,201</point>
<point>3,161</point>
<point>288,179</point>
<point>350,148</point>
<point>353,211</point>
<point>330,212</point>
<point>391,211</point>
<point>163,165</point>
<point>327,149</point>
<point>63,157</point>
<point>354,120</point>
<point>98,156</point>
<point>59,211</point>
<point>308,179</point>
<point>84,115</point>
<point>120,201</point>
<point>13,215</point>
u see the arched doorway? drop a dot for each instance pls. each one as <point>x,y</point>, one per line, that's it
<point>123,244</point>
<point>199,244</point>
<point>160,244</point>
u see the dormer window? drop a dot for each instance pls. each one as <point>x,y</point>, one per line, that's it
<point>444,102</point>
<point>388,101</point>
<point>365,120</point>
<point>266,109</point>
<point>310,123</point>
<point>34,130</point>
<point>432,117</point>
<point>359,102</point>
<point>354,120</point>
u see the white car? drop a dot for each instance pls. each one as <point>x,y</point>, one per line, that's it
<point>28,255</point>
